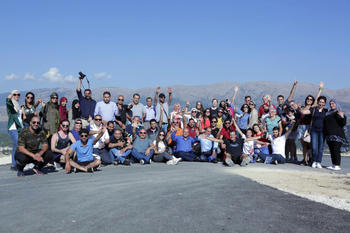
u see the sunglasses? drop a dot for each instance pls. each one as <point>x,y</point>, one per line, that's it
<point>29,97</point>
<point>214,122</point>
<point>65,125</point>
<point>78,123</point>
<point>162,135</point>
<point>83,135</point>
<point>16,94</point>
<point>227,123</point>
<point>98,119</point>
<point>35,122</point>
<point>142,132</point>
<point>54,98</point>
<point>121,99</point>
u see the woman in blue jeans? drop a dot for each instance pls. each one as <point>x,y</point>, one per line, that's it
<point>14,121</point>
<point>317,137</point>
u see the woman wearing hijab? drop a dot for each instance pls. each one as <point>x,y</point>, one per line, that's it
<point>50,114</point>
<point>62,109</point>
<point>74,113</point>
<point>334,123</point>
<point>14,125</point>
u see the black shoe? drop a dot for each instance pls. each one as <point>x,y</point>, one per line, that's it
<point>126,162</point>
<point>90,170</point>
<point>13,168</point>
<point>214,161</point>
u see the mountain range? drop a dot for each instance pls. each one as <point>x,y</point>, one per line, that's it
<point>204,93</point>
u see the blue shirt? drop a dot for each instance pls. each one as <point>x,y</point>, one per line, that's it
<point>75,134</point>
<point>183,144</point>
<point>107,111</point>
<point>87,107</point>
<point>84,153</point>
<point>141,145</point>
<point>242,120</point>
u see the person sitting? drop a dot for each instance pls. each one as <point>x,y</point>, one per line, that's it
<point>119,148</point>
<point>278,144</point>
<point>184,145</point>
<point>161,151</point>
<point>100,145</point>
<point>234,150</point>
<point>153,131</point>
<point>60,142</point>
<point>143,148</point>
<point>225,130</point>
<point>208,147</point>
<point>85,161</point>
<point>76,128</point>
<point>30,140</point>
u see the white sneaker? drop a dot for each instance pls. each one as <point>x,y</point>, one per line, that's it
<point>171,162</point>
<point>331,167</point>
<point>177,160</point>
<point>142,162</point>
<point>336,168</point>
<point>150,161</point>
<point>314,165</point>
<point>318,165</point>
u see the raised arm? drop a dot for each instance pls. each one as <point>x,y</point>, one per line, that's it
<point>161,116</point>
<point>99,135</point>
<point>234,96</point>
<point>156,96</point>
<point>289,131</point>
<point>79,85</point>
<point>292,91</point>
<point>318,93</point>
<point>170,99</point>
<point>237,128</point>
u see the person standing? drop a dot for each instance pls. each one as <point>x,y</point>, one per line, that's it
<point>62,109</point>
<point>106,108</point>
<point>165,111</point>
<point>150,113</point>
<point>49,113</point>
<point>74,113</point>
<point>14,124</point>
<point>137,108</point>
<point>29,108</point>
<point>334,123</point>
<point>87,104</point>
<point>124,113</point>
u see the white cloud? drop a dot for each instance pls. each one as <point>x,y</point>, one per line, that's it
<point>12,77</point>
<point>29,76</point>
<point>103,75</point>
<point>54,75</point>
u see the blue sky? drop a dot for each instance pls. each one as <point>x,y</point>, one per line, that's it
<point>136,44</point>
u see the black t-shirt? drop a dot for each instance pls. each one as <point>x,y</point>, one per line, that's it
<point>318,119</point>
<point>215,132</point>
<point>122,114</point>
<point>234,148</point>
<point>114,140</point>
<point>213,112</point>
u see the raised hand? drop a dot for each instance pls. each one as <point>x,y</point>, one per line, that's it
<point>158,90</point>
<point>169,90</point>
<point>321,84</point>
<point>236,88</point>
<point>341,114</point>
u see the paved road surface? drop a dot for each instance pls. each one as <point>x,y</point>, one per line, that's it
<point>189,197</point>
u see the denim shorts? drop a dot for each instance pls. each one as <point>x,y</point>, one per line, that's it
<point>301,130</point>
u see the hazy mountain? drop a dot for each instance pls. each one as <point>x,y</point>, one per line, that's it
<point>203,93</point>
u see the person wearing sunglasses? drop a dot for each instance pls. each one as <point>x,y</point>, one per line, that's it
<point>119,148</point>
<point>184,144</point>
<point>32,148</point>
<point>60,142</point>
<point>253,116</point>
<point>124,112</point>
<point>161,151</point>
<point>143,148</point>
<point>162,107</point>
<point>76,128</point>
<point>100,146</point>
<point>84,161</point>
<point>14,122</point>
<point>29,108</point>
<point>50,114</point>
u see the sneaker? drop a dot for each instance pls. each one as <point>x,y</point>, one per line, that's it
<point>214,161</point>
<point>318,165</point>
<point>20,173</point>
<point>58,166</point>
<point>314,165</point>
<point>150,161</point>
<point>245,161</point>
<point>171,162</point>
<point>229,162</point>
<point>337,168</point>
<point>90,170</point>
<point>177,160</point>
<point>330,167</point>
<point>276,162</point>
<point>37,171</point>
<point>142,162</point>
<point>126,162</point>
<point>115,162</point>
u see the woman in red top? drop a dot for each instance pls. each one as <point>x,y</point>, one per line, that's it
<point>205,120</point>
<point>264,142</point>
<point>62,109</point>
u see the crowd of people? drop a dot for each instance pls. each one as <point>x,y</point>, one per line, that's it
<point>92,134</point>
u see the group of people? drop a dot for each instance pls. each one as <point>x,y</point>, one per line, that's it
<point>92,134</point>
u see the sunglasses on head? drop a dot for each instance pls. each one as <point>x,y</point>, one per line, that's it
<point>16,94</point>
<point>83,135</point>
<point>35,122</point>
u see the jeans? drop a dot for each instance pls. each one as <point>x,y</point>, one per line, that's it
<point>187,156</point>
<point>207,156</point>
<point>14,137</point>
<point>23,160</point>
<point>275,157</point>
<point>317,142</point>
<point>162,157</point>
<point>165,127</point>
<point>138,155</point>
<point>116,155</point>
<point>103,153</point>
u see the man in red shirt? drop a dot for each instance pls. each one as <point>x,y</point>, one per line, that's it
<point>226,129</point>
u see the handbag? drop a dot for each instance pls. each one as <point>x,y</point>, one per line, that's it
<point>307,136</point>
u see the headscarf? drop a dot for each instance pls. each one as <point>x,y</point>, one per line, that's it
<point>63,110</point>
<point>16,105</point>
<point>338,107</point>
<point>76,111</point>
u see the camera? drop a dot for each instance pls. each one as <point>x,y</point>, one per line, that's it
<point>81,75</point>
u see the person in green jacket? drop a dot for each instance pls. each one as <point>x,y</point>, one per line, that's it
<point>50,115</point>
<point>14,125</point>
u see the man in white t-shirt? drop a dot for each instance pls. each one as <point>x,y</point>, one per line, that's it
<point>278,144</point>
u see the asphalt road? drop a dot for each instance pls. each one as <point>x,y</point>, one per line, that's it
<point>189,197</point>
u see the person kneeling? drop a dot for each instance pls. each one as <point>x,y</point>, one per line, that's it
<point>84,148</point>
<point>119,149</point>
